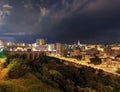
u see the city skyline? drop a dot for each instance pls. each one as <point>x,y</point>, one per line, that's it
<point>66,21</point>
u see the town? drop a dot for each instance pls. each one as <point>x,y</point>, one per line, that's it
<point>109,55</point>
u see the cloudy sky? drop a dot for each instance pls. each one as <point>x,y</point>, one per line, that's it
<point>66,21</point>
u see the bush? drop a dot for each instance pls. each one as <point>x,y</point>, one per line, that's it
<point>79,89</point>
<point>79,57</point>
<point>6,86</point>
<point>96,60</point>
<point>118,71</point>
<point>17,68</point>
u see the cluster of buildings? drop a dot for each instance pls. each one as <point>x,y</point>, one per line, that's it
<point>109,54</point>
<point>39,45</point>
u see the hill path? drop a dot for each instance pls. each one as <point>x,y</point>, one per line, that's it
<point>3,73</point>
<point>104,68</point>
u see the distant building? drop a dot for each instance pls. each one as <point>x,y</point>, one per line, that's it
<point>42,48</point>
<point>2,43</point>
<point>60,49</point>
<point>10,44</point>
<point>115,48</point>
<point>100,48</point>
<point>79,43</point>
<point>21,44</point>
<point>51,47</point>
<point>40,41</point>
<point>88,47</point>
<point>75,53</point>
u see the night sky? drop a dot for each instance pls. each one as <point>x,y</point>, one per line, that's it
<point>66,21</point>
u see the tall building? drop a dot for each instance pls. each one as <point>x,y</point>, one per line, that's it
<point>9,44</point>
<point>2,43</point>
<point>40,41</point>
<point>59,49</point>
<point>51,47</point>
<point>79,43</point>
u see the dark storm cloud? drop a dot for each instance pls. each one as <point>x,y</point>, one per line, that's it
<point>97,21</point>
<point>90,21</point>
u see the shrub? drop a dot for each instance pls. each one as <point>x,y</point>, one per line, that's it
<point>6,86</point>
<point>118,70</point>
<point>17,68</point>
<point>96,60</point>
<point>78,89</point>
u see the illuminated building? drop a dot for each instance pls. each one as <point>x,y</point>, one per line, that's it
<point>40,42</point>
<point>2,44</point>
<point>42,48</point>
<point>115,48</point>
<point>88,47</point>
<point>75,53</point>
<point>10,43</point>
<point>59,49</point>
<point>51,47</point>
<point>100,48</point>
<point>21,44</point>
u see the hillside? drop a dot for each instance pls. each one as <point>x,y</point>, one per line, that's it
<point>48,74</point>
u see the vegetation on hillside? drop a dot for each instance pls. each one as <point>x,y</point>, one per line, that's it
<point>78,57</point>
<point>96,60</point>
<point>17,68</point>
<point>118,71</point>
<point>47,74</point>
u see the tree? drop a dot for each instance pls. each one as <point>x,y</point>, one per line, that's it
<point>79,89</point>
<point>17,68</point>
<point>96,60</point>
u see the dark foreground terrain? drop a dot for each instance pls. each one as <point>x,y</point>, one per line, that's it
<point>47,74</point>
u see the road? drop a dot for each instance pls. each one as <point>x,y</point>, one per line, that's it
<point>85,63</point>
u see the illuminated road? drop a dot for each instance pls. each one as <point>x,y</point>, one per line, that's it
<point>85,63</point>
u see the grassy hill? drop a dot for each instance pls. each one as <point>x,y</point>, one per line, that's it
<point>48,74</point>
<point>27,83</point>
